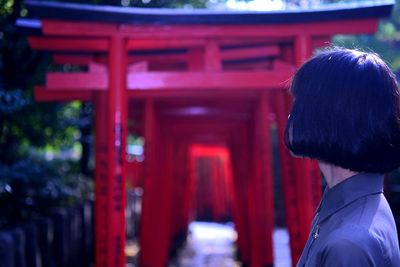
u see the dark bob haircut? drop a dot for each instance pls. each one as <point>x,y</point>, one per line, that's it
<point>346,112</point>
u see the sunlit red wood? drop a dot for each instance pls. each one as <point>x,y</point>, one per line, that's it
<point>212,56</point>
<point>231,80</point>
<point>76,81</point>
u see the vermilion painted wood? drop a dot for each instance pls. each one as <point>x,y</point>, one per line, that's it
<point>209,151</point>
<point>168,58</point>
<point>201,124</point>
<point>192,185</point>
<point>240,163</point>
<point>265,40</point>
<point>87,59</point>
<point>43,95</point>
<point>195,63</point>
<point>243,31</point>
<point>261,186</point>
<point>180,218</point>
<point>212,57</point>
<point>229,190</point>
<point>220,182</point>
<point>138,66</point>
<point>81,60</point>
<point>217,134</point>
<point>302,49</point>
<point>158,219</point>
<point>94,67</point>
<point>225,54</point>
<point>250,52</point>
<point>69,44</point>
<point>151,43</point>
<point>217,184</point>
<point>288,177</point>
<point>77,81</point>
<point>266,175</point>
<point>165,204</point>
<point>103,248</point>
<point>231,80</point>
<point>184,191</point>
<point>163,58</point>
<point>68,28</point>
<point>246,177</point>
<point>280,65</point>
<point>226,173</point>
<point>173,214</point>
<point>253,200</point>
<point>253,66</point>
<point>236,203</point>
<point>116,126</point>
<point>73,28</point>
<point>149,228</point>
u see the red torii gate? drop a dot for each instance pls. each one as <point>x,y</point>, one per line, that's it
<point>214,194</point>
<point>190,77</point>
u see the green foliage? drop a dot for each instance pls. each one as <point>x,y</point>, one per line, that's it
<point>25,124</point>
<point>30,183</point>
<point>384,42</point>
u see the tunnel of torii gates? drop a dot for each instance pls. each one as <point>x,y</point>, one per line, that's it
<point>197,84</point>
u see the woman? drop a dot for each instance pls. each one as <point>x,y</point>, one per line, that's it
<point>346,115</point>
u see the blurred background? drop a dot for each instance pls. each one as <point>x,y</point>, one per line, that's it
<point>47,155</point>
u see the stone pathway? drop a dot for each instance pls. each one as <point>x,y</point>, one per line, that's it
<point>213,245</point>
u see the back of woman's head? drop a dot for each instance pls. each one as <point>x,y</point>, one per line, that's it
<point>346,112</point>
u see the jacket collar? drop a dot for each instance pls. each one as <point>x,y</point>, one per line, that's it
<point>348,191</point>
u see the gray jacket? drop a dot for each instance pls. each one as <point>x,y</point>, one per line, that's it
<point>353,227</point>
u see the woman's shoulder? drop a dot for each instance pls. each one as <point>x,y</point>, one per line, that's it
<point>352,233</point>
<point>360,244</point>
<point>353,244</point>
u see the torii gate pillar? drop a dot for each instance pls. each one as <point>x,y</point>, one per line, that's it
<point>111,131</point>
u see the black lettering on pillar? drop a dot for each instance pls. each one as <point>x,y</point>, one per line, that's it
<point>118,144</point>
<point>118,184</point>
<point>118,193</point>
